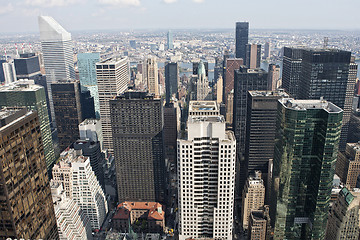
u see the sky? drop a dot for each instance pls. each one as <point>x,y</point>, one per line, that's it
<point>75,15</point>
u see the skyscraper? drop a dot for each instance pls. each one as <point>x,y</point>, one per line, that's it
<point>171,79</point>
<point>201,83</point>
<point>196,67</point>
<point>91,129</point>
<point>170,44</point>
<point>56,45</point>
<point>259,224</point>
<point>92,150</point>
<point>267,50</point>
<point>253,56</point>
<point>27,66</point>
<point>245,80</point>
<point>137,127</point>
<point>206,175</point>
<point>2,77</point>
<point>72,222</point>
<point>67,108</point>
<point>87,74</point>
<point>9,72</point>
<point>343,222</point>
<point>291,71</point>
<point>253,197</point>
<point>241,39</point>
<point>260,130</point>
<point>348,165</point>
<point>219,89</point>
<point>152,76</point>
<point>170,131</point>
<point>273,76</point>
<point>27,94</point>
<point>232,64</point>
<point>306,146</point>
<point>113,77</point>
<point>27,211</point>
<point>328,73</point>
<point>74,172</point>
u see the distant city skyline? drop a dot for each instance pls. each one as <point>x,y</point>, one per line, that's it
<point>75,15</point>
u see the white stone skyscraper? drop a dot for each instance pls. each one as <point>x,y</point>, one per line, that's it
<point>113,77</point>
<point>72,222</point>
<point>9,72</point>
<point>206,175</point>
<point>56,45</point>
<point>80,183</point>
<point>202,84</point>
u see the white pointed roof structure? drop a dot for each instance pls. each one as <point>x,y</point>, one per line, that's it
<point>51,30</point>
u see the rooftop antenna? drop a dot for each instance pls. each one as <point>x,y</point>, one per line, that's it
<point>30,47</point>
<point>22,47</point>
<point>326,42</point>
<point>5,53</point>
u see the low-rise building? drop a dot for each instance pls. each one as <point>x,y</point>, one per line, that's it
<point>149,214</point>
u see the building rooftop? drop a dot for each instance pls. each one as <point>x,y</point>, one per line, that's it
<point>291,103</point>
<point>23,85</point>
<point>69,156</point>
<point>89,122</point>
<point>112,60</point>
<point>212,119</point>
<point>203,106</point>
<point>10,115</point>
<point>51,30</point>
<point>156,211</point>
<point>278,93</point>
<point>258,215</point>
<point>135,95</point>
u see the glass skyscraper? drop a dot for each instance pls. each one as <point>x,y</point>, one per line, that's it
<point>27,94</point>
<point>170,44</point>
<point>87,74</point>
<point>306,148</point>
<point>241,39</point>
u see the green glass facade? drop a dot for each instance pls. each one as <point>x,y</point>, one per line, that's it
<point>33,97</point>
<point>306,148</point>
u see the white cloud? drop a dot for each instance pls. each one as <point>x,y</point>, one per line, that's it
<point>51,3</point>
<point>6,9</point>
<point>169,1</point>
<point>199,1</point>
<point>135,3</point>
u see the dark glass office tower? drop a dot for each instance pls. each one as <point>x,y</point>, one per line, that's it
<point>27,66</point>
<point>27,210</point>
<point>327,73</point>
<point>291,71</point>
<point>67,108</point>
<point>241,39</point>
<point>171,79</point>
<point>245,80</point>
<point>87,105</point>
<point>260,129</point>
<point>137,127</point>
<point>306,148</point>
